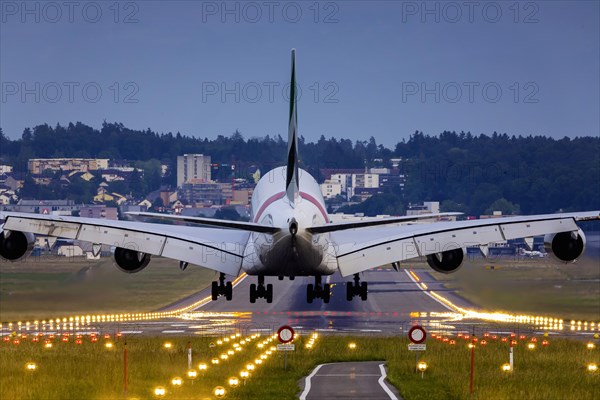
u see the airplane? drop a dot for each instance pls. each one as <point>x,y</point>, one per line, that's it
<point>531,254</point>
<point>290,235</point>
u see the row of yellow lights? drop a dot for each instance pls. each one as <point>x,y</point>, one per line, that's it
<point>219,391</point>
<point>123,317</point>
<point>463,313</point>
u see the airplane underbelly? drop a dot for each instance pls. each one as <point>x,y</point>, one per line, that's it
<point>288,255</point>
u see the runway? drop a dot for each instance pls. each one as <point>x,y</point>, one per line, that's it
<point>396,302</point>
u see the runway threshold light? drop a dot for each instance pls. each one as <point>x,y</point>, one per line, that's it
<point>233,381</point>
<point>177,381</point>
<point>219,392</point>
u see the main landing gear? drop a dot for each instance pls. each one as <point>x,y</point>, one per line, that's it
<point>221,288</point>
<point>318,291</point>
<point>260,291</point>
<point>356,289</point>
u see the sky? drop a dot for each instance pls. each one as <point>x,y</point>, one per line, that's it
<point>379,68</point>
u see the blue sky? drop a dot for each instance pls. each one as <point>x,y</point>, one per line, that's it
<point>382,69</point>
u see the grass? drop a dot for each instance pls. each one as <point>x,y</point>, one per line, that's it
<point>49,286</point>
<point>528,286</point>
<point>90,371</point>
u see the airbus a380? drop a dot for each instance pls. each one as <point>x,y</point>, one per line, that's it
<point>291,235</point>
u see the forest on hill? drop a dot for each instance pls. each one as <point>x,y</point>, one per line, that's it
<point>465,172</point>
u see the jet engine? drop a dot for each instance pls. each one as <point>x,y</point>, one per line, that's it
<point>131,261</point>
<point>565,246</point>
<point>446,261</point>
<point>15,245</point>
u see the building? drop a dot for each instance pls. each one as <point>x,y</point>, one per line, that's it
<point>99,211</point>
<point>5,169</point>
<point>193,166</point>
<point>331,188</point>
<point>205,193</point>
<point>53,207</point>
<point>39,165</point>
<point>428,207</point>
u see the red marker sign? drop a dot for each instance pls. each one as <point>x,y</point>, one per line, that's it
<point>285,334</point>
<point>417,334</point>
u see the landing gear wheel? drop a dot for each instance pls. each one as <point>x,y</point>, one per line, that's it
<point>253,293</point>
<point>349,291</point>
<point>310,293</point>
<point>269,293</point>
<point>326,295</point>
<point>228,291</point>
<point>215,290</point>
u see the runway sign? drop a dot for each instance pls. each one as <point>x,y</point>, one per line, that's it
<point>285,334</point>
<point>417,334</point>
<point>286,347</point>
<point>417,347</point>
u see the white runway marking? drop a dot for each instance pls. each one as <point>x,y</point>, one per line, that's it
<point>426,292</point>
<point>383,385</point>
<point>173,331</point>
<point>307,380</point>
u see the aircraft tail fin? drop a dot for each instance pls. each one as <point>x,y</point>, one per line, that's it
<point>291,182</point>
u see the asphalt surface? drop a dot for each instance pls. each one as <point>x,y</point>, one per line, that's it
<point>349,380</point>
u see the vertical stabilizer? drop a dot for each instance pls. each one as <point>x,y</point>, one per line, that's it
<point>291,181</point>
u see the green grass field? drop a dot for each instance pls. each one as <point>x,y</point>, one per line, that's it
<point>50,287</point>
<point>91,371</point>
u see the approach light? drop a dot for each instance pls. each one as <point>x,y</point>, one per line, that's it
<point>591,346</point>
<point>258,361</point>
<point>168,345</point>
<point>506,367</point>
<point>244,374</point>
<point>250,367</point>
<point>224,356</point>
<point>159,391</point>
<point>219,392</point>
<point>31,366</point>
<point>192,374</point>
<point>215,361</point>
<point>202,367</point>
<point>48,345</point>
<point>233,381</point>
<point>219,342</point>
<point>352,346</point>
<point>592,367</point>
<point>422,366</point>
<point>531,346</point>
<point>108,345</point>
<point>471,345</point>
<point>177,381</point>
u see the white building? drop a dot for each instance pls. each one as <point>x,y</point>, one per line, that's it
<point>330,189</point>
<point>365,180</point>
<point>193,166</point>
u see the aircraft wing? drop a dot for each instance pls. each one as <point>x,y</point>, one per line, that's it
<point>361,249</point>
<point>217,249</point>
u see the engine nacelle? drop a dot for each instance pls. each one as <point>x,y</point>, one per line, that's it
<point>447,261</point>
<point>131,261</point>
<point>565,246</point>
<point>15,245</point>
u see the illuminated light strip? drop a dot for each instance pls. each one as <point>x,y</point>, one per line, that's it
<point>497,316</point>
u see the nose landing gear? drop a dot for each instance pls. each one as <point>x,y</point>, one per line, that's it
<point>318,291</point>
<point>261,291</point>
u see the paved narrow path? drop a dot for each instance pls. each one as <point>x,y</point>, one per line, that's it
<point>348,380</point>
